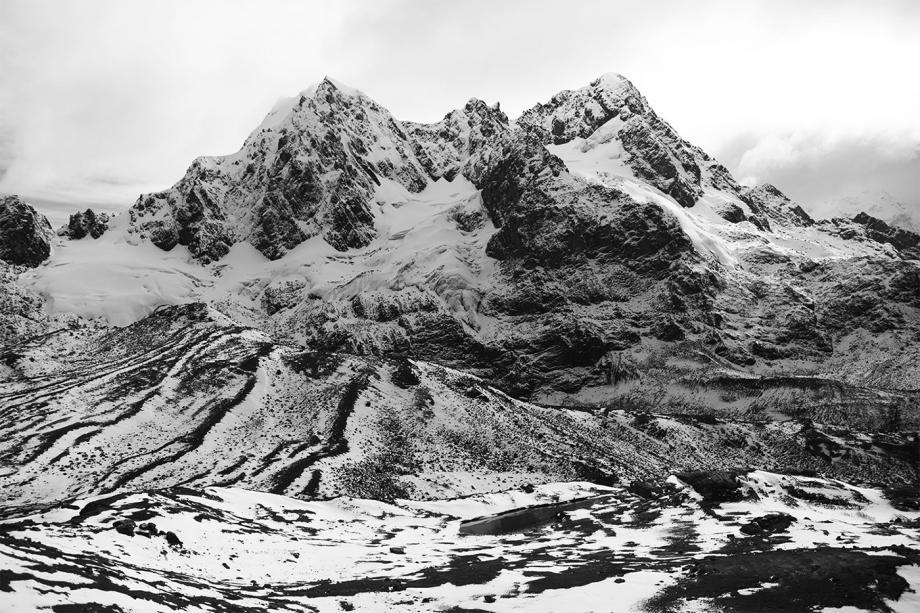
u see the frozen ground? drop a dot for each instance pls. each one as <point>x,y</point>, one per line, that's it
<point>604,549</point>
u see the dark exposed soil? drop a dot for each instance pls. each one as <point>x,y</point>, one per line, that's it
<point>807,580</point>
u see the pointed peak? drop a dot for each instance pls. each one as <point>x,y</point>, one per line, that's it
<point>327,84</point>
<point>610,80</point>
<point>769,188</point>
<point>330,83</point>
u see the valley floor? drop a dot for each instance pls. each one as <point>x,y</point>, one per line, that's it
<point>766,542</point>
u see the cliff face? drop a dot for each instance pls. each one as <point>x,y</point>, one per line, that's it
<point>25,235</point>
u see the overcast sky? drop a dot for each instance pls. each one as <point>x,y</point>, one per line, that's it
<point>101,100</point>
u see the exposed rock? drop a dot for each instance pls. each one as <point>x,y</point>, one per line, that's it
<point>656,153</point>
<point>305,172</point>
<point>768,524</point>
<point>715,486</point>
<point>905,241</point>
<point>650,490</point>
<point>87,223</point>
<point>770,202</point>
<point>283,296</point>
<point>404,374</point>
<point>25,234</point>
<point>21,310</point>
<point>125,526</point>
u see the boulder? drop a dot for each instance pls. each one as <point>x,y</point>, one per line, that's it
<point>25,234</point>
<point>714,486</point>
<point>125,526</point>
<point>172,539</point>
<point>768,524</point>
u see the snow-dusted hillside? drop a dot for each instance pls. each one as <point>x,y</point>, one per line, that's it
<point>187,397</point>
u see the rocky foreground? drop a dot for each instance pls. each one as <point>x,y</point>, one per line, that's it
<point>700,541</point>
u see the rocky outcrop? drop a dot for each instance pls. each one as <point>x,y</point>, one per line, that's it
<point>85,224</point>
<point>715,486</point>
<point>906,242</point>
<point>25,234</point>
<point>772,203</point>
<point>21,312</point>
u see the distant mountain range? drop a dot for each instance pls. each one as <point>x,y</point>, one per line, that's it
<point>881,205</point>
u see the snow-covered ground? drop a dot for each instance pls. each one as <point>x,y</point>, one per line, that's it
<point>233,549</point>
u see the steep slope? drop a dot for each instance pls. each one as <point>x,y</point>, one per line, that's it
<point>311,168</point>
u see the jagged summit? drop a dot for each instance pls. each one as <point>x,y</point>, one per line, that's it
<point>527,251</point>
<point>285,105</point>
<point>316,162</point>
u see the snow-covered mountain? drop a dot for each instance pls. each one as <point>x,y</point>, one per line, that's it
<point>357,305</point>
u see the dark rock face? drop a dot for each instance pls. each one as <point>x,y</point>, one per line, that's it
<point>714,485</point>
<point>25,235</point>
<point>643,236</point>
<point>905,241</point>
<point>125,526</point>
<point>768,524</point>
<point>86,224</point>
<point>286,295</point>
<point>310,174</point>
<point>452,146</point>
<point>767,201</point>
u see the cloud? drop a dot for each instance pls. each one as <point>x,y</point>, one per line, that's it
<point>135,91</point>
<point>813,167</point>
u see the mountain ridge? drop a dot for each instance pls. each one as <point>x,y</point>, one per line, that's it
<point>531,252</point>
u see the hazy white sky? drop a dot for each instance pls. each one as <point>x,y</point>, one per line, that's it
<point>103,99</point>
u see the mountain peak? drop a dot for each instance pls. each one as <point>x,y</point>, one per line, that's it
<point>611,81</point>
<point>338,85</point>
<point>324,86</point>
